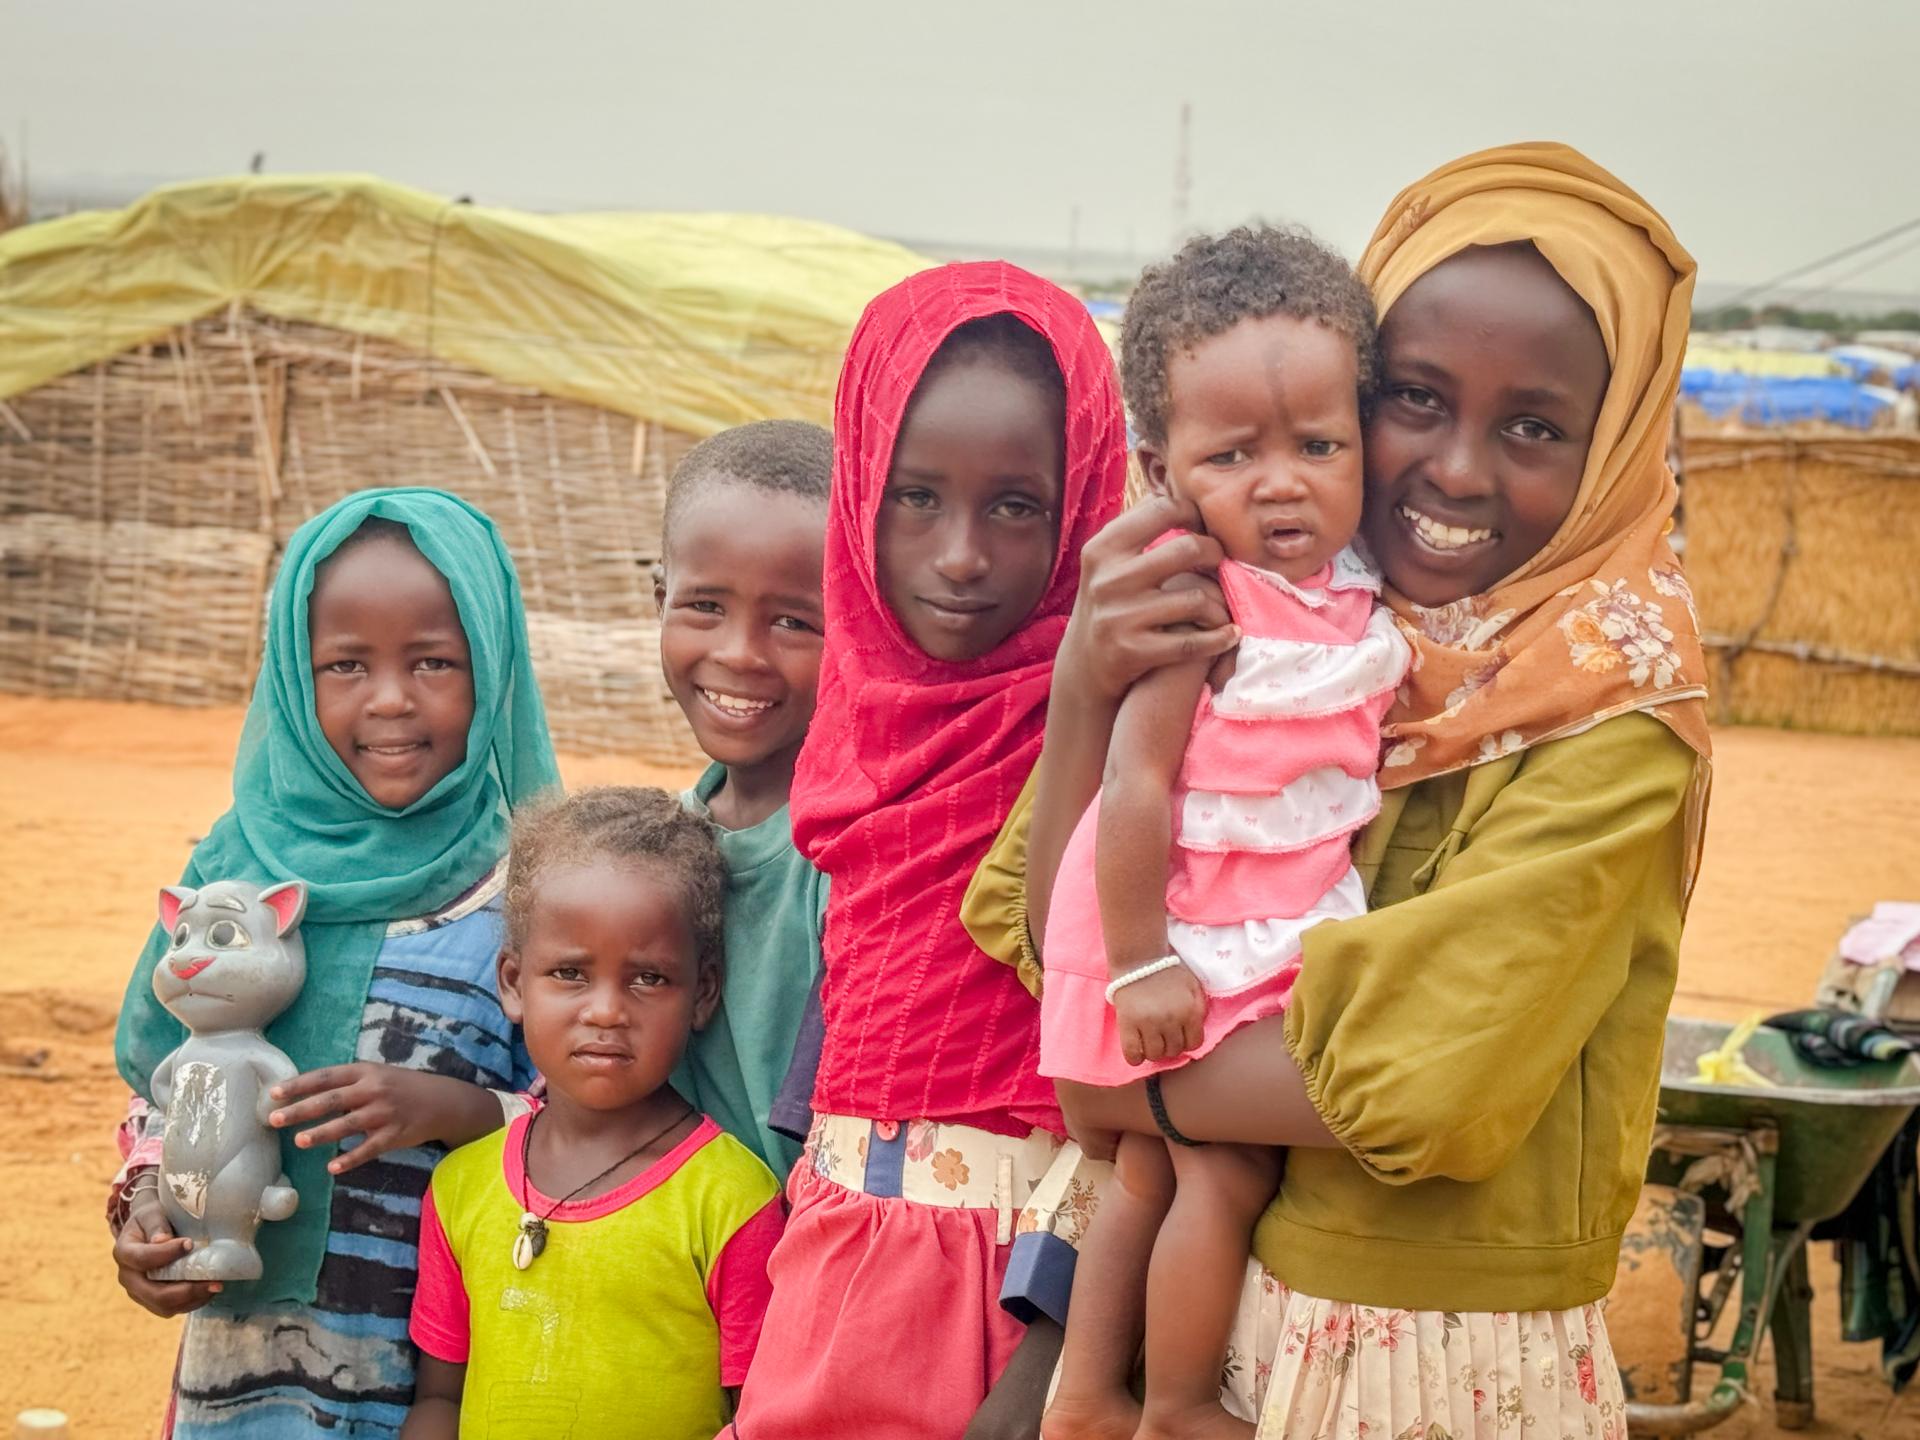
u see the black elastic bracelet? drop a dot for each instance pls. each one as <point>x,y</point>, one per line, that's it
<point>1159,1108</point>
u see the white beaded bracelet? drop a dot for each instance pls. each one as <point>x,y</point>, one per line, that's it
<point>1152,967</point>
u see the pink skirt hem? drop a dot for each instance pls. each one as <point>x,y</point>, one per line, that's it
<point>885,1321</point>
<point>1080,1037</point>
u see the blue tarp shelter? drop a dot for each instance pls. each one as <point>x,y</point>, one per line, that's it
<point>1781,400</point>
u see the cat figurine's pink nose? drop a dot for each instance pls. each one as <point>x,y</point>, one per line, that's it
<point>187,969</point>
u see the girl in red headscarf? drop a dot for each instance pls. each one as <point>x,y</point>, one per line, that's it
<point>978,444</point>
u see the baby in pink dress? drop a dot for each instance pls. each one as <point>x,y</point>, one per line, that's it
<point>1232,791</point>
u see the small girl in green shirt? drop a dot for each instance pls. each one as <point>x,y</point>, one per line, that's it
<point>600,1267</point>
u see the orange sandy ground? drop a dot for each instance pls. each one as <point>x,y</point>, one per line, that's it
<point>99,804</point>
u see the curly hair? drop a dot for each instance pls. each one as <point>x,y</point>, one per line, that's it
<point>1214,283</point>
<point>790,457</point>
<point>627,824</point>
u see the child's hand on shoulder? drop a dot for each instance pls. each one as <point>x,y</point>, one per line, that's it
<point>145,1242</point>
<point>1161,1017</point>
<point>387,1106</point>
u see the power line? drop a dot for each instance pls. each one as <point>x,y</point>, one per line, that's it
<point>1754,291</point>
<point>1800,300</point>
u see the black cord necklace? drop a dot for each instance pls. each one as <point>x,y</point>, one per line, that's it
<point>531,1238</point>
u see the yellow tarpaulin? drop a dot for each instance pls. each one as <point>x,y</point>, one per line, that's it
<point>695,321</point>
<point>1733,359</point>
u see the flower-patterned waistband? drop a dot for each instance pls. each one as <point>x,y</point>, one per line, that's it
<point>931,1163</point>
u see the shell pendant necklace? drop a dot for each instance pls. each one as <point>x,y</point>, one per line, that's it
<point>531,1236</point>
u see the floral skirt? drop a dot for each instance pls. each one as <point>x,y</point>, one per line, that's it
<point>1310,1369</point>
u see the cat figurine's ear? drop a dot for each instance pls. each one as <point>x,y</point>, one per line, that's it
<point>174,899</point>
<point>288,901</point>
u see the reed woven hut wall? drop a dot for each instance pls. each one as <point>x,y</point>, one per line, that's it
<point>146,491</point>
<point>147,498</point>
<point>1804,555</point>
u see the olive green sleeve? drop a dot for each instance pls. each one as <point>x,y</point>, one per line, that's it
<point>994,909</point>
<point>1433,1032</point>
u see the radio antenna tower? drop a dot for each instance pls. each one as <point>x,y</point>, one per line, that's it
<point>1183,175</point>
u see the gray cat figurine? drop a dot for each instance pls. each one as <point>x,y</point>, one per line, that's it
<point>235,962</point>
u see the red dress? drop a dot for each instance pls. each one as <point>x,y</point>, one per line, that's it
<point>935,1123</point>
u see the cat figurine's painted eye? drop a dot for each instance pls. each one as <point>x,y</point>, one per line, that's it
<point>221,935</point>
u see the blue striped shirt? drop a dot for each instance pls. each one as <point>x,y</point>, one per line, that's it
<point>343,1366</point>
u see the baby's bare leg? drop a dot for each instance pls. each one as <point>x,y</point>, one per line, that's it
<point>1108,1309</point>
<point>1193,1286</point>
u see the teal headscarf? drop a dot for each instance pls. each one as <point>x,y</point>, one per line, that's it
<point>298,813</point>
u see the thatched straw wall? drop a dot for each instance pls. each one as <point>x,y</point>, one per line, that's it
<point>143,503</point>
<point>1804,553</point>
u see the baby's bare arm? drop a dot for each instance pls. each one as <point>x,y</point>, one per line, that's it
<point>1141,606</point>
<point>1162,1015</point>
<point>1136,812</point>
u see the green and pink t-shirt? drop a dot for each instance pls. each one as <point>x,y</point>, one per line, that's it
<point>644,1304</point>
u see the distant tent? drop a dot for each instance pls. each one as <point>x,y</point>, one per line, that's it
<point>1776,337</point>
<point>1705,354</point>
<point>1866,362</point>
<point>1903,340</point>
<point>1782,400</point>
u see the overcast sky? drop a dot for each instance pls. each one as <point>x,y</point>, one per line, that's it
<point>1769,131</point>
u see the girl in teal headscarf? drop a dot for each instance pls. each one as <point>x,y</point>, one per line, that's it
<point>395,725</point>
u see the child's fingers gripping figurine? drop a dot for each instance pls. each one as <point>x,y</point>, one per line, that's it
<point>395,724</point>
<point>599,1268</point>
<point>1232,789</point>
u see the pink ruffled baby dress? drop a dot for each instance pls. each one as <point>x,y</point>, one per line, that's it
<point>1279,773</point>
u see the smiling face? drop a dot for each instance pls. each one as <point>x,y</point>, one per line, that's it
<point>1494,373</point>
<point>606,983</point>
<point>392,677</point>
<point>970,517</point>
<point>1263,435</point>
<point>741,621</point>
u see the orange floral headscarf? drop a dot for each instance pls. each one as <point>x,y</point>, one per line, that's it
<point>1600,622</point>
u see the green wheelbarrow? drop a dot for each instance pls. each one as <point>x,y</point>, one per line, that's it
<point>1768,1164</point>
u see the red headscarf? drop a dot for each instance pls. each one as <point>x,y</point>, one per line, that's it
<point>912,763</point>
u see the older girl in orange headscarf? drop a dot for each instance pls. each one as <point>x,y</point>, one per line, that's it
<point>1467,1075</point>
